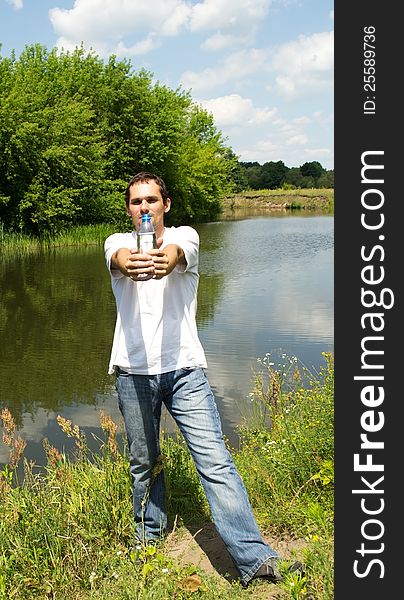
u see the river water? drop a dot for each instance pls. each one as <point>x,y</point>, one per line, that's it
<point>266,286</point>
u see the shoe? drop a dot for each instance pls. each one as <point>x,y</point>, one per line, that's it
<point>269,571</point>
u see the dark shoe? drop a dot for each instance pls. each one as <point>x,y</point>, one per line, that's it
<point>269,571</point>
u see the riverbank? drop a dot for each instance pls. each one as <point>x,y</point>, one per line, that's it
<point>67,532</point>
<point>85,235</point>
<point>273,200</point>
<point>257,200</point>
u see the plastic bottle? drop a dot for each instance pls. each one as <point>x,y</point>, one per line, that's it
<point>146,237</point>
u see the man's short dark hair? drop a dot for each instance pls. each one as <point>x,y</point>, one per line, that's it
<point>145,177</point>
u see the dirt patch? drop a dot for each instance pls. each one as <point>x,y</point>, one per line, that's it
<point>204,549</point>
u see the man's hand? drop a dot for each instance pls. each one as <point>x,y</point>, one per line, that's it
<point>167,259</point>
<point>135,265</point>
<point>161,263</point>
<point>140,267</point>
<point>155,264</point>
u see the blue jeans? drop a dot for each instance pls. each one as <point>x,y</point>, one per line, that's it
<point>188,397</point>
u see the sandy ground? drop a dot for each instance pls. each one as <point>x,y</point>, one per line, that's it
<point>204,549</point>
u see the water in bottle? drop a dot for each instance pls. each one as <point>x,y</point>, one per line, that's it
<point>146,237</point>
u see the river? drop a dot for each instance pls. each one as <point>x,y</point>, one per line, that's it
<point>266,286</point>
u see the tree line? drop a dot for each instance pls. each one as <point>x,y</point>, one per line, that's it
<point>273,175</point>
<point>75,128</point>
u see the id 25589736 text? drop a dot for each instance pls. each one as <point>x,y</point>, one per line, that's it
<point>369,70</point>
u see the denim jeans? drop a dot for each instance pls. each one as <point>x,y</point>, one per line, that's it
<point>188,397</point>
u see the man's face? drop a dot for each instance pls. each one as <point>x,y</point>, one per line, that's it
<point>146,198</point>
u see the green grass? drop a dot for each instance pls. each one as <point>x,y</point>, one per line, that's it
<point>19,243</point>
<point>308,199</point>
<point>303,192</point>
<point>66,531</point>
<point>288,467</point>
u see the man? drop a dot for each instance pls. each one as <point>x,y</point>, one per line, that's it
<point>158,358</point>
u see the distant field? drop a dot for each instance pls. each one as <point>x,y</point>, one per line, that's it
<point>281,199</point>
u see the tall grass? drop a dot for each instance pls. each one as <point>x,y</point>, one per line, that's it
<point>67,531</point>
<point>288,466</point>
<point>19,243</point>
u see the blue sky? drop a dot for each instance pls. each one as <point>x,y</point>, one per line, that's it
<point>264,68</point>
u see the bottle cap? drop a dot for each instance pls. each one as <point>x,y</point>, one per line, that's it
<point>146,217</point>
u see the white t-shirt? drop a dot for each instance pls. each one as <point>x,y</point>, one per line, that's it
<point>155,330</point>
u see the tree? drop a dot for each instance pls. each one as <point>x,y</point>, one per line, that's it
<point>201,173</point>
<point>253,175</point>
<point>326,180</point>
<point>236,172</point>
<point>312,169</point>
<point>74,129</point>
<point>295,178</point>
<point>273,174</point>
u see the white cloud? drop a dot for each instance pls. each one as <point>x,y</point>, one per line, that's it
<point>290,87</point>
<point>234,67</point>
<point>305,65</point>
<point>291,140</point>
<point>110,26</point>
<point>262,151</point>
<point>297,140</point>
<point>308,54</point>
<point>242,88</point>
<point>176,20</point>
<point>18,4</point>
<point>234,22</point>
<point>273,148</point>
<point>233,110</point>
<point>144,46</point>
<point>324,153</point>
<point>219,14</point>
<point>220,41</point>
<point>304,120</point>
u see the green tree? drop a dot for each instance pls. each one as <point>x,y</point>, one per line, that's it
<point>202,170</point>
<point>326,180</point>
<point>273,174</point>
<point>295,178</point>
<point>312,169</point>
<point>253,175</point>
<point>74,129</point>
<point>237,173</point>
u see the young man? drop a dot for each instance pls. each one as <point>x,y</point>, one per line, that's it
<point>158,358</point>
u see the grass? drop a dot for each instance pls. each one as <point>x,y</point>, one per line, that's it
<point>288,467</point>
<point>309,199</point>
<point>19,243</point>
<point>67,531</point>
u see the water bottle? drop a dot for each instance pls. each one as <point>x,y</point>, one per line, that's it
<point>146,237</point>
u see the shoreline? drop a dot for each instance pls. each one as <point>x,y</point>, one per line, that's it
<point>307,199</point>
<point>313,200</point>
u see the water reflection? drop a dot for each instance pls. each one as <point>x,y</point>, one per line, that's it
<point>57,318</point>
<point>266,284</point>
<point>276,296</point>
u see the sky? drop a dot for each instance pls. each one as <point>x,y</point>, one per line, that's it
<point>263,68</point>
